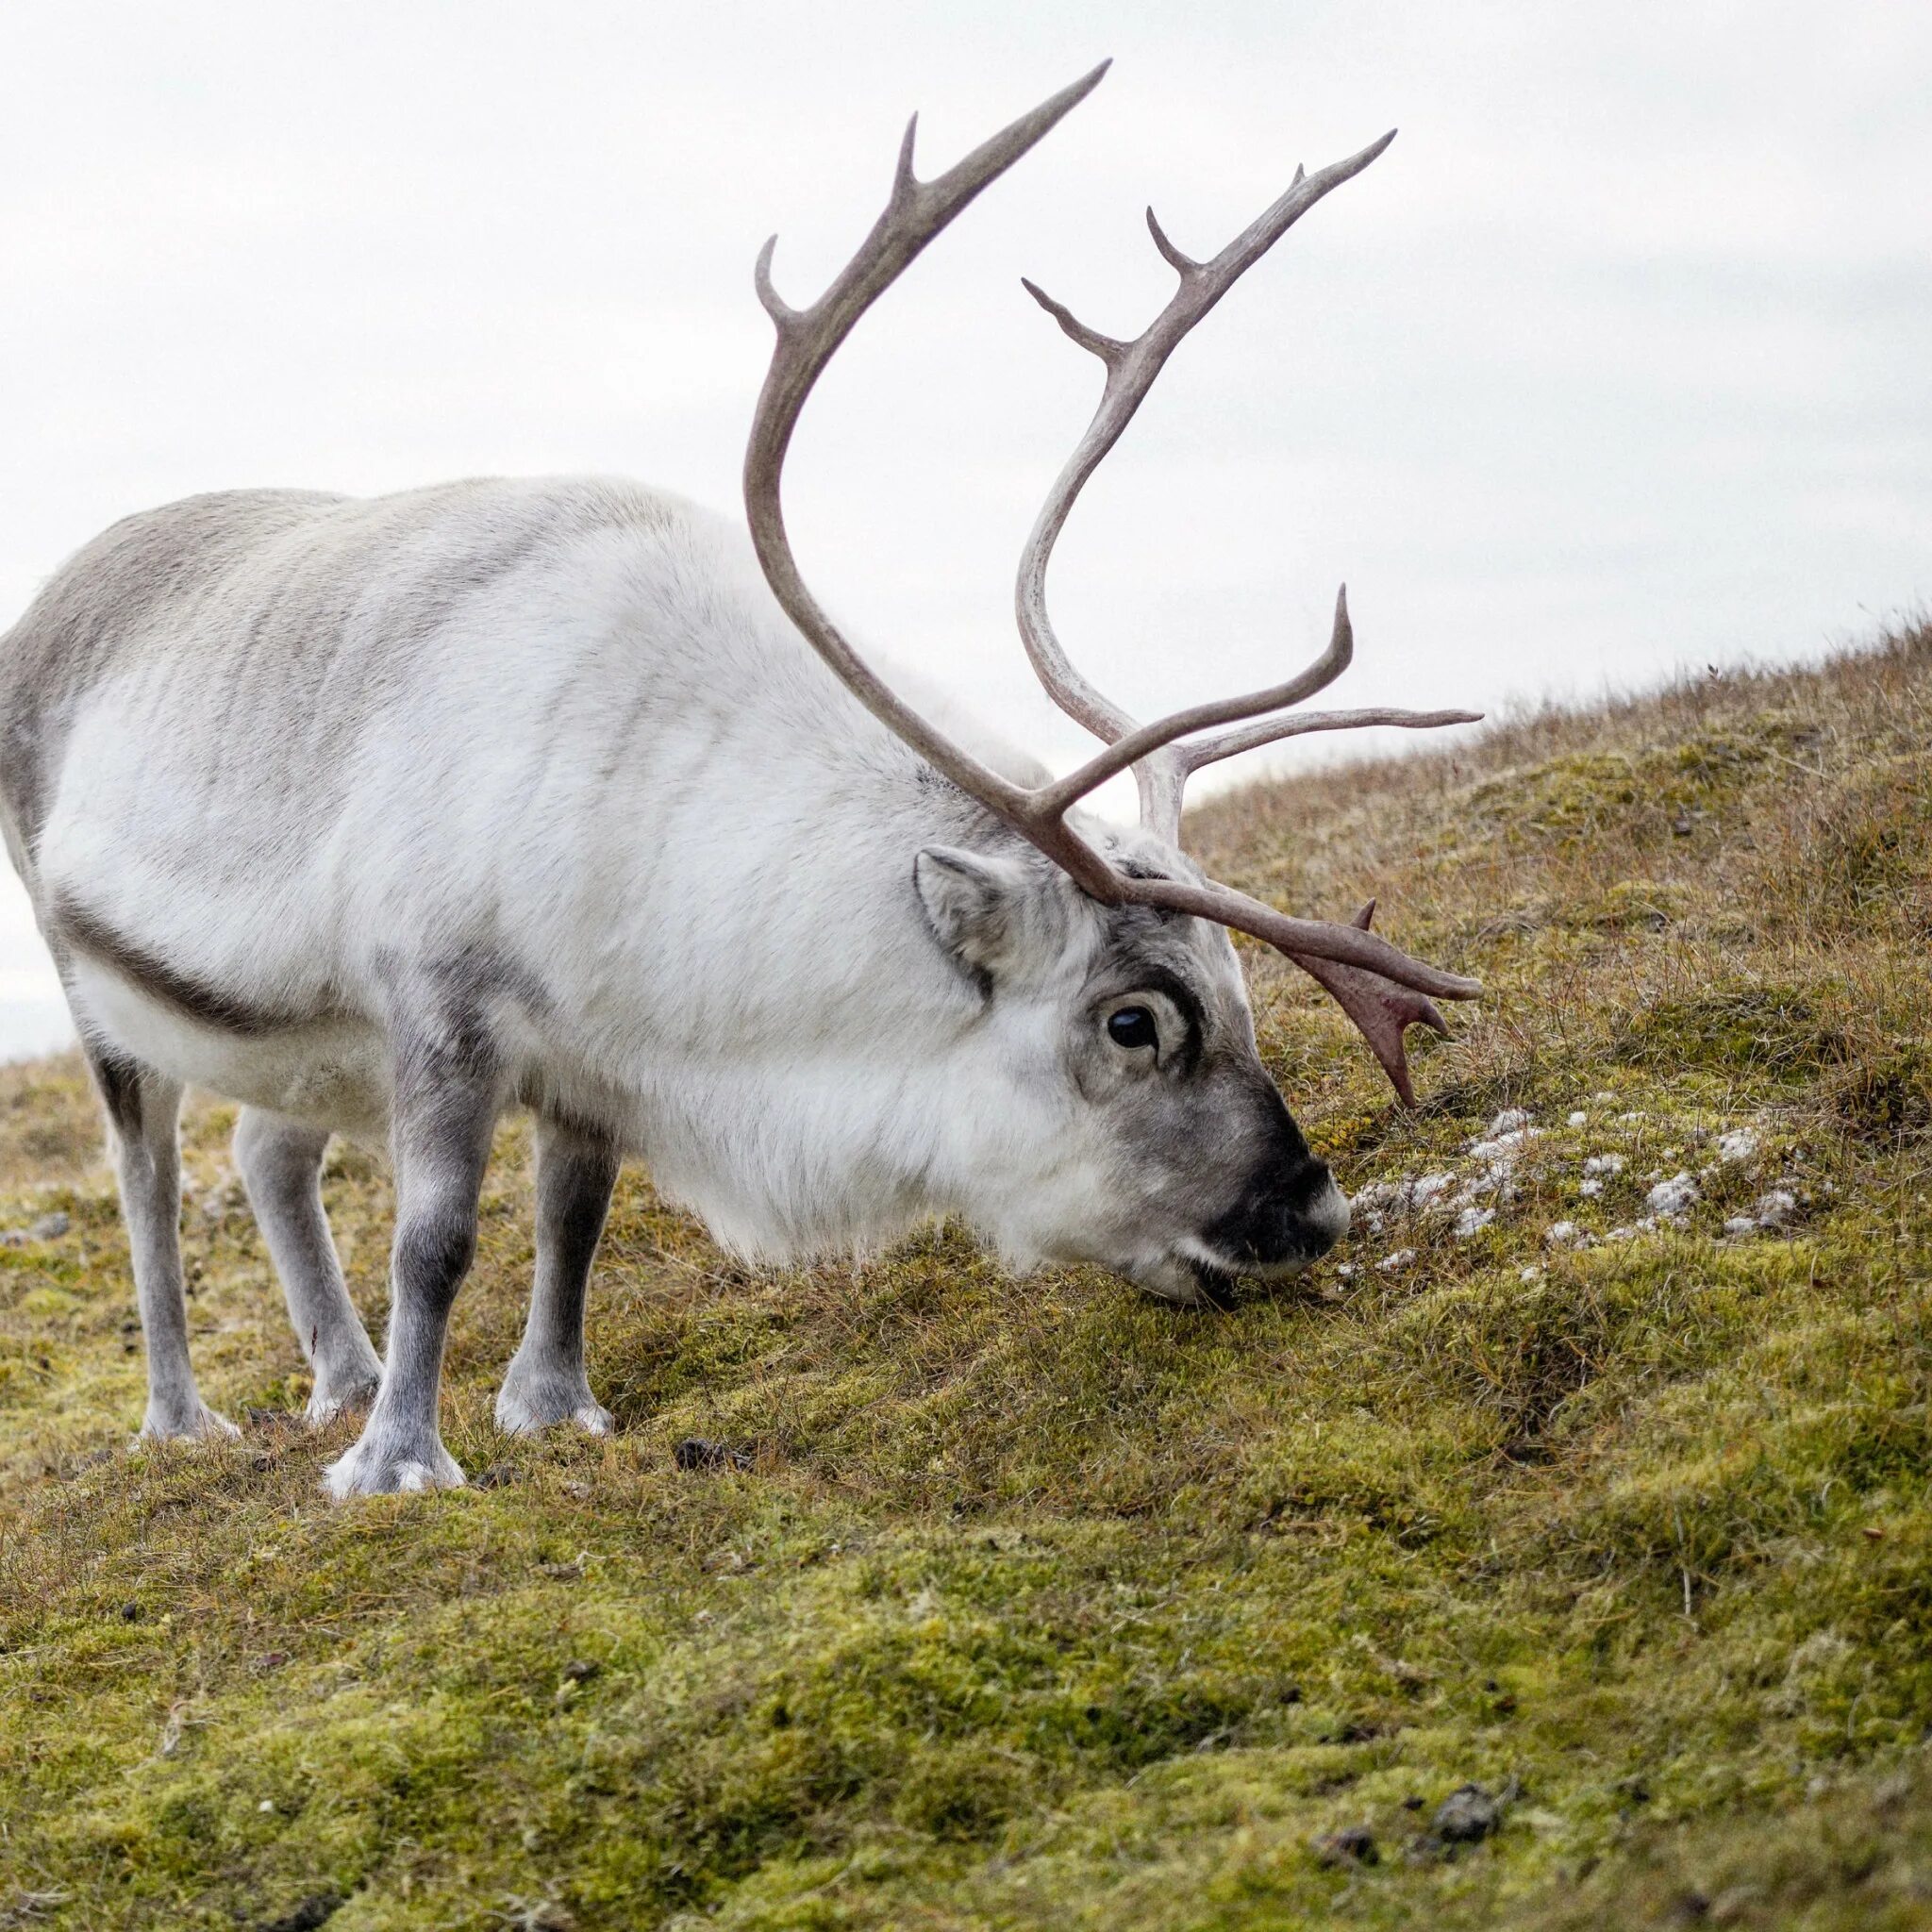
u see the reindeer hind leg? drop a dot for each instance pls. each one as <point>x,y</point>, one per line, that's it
<point>280,1163</point>
<point>143,1111</point>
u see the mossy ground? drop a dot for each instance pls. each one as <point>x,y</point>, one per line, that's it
<point>1041,1604</point>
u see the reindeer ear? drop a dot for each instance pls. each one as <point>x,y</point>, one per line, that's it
<point>976,906</point>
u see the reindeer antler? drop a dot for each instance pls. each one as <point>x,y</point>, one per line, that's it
<point>1380,988</point>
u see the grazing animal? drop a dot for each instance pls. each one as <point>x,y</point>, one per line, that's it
<point>386,816</point>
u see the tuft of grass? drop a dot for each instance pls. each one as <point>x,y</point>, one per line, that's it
<point>1037,1604</point>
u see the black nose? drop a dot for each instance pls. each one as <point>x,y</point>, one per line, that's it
<point>1289,1209</point>
<point>1293,1213</point>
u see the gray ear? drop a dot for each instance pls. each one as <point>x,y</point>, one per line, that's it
<point>976,904</point>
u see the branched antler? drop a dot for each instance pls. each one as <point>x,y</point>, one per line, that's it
<point>1380,988</point>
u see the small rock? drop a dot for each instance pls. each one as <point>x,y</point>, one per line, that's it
<point>1467,1815</point>
<point>699,1452</point>
<point>1354,1845</point>
<point>580,1670</point>
<point>49,1227</point>
<point>499,1475</point>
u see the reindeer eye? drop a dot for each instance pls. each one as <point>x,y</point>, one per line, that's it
<point>1132,1026</point>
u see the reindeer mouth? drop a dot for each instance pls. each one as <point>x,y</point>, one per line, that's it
<point>1219,1281</point>
<point>1214,1283</point>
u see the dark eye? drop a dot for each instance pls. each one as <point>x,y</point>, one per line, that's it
<point>1133,1026</point>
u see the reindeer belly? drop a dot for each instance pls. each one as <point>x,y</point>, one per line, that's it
<point>332,1070</point>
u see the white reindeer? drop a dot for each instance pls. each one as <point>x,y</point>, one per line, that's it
<point>386,816</point>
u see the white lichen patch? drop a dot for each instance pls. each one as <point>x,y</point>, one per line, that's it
<point>1739,1144</point>
<point>1672,1199</point>
<point>1769,1212</point>
<point>1472,1221</point>
<point>1389,1264</point>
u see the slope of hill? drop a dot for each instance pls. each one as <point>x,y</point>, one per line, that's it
<point>1591,1471</point>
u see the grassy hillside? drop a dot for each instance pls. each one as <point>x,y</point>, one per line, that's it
<point>1040,1604</point>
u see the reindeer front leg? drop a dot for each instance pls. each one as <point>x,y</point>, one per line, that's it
<point>546,1384</point>
<point>447,1097</point>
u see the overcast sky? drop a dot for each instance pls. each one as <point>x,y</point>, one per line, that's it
<point>1618,360</point>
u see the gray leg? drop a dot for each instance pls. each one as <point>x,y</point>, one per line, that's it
<point>280,1162</point>
<point>142,1109</point>
<point>445,1107</point>
<point>576,1173</point>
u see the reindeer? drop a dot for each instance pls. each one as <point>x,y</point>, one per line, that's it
<point>386,816</point>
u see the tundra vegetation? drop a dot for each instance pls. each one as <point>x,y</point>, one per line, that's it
<point>1590,1470</point>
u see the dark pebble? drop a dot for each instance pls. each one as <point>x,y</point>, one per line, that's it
<point>1353,1844</point>
<point>580,1670</point>
<point>699,1452</point>
<point>1467,1815</point>
<point>499,1475</point>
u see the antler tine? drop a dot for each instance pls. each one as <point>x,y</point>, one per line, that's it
<point>1131,369</point>
<point>1209,751</point>
<point>1135,745</point>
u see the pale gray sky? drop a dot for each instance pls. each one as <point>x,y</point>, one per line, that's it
<point>1620,360</point>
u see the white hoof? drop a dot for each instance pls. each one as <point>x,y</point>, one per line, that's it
<point>196,1424</point>
<point>527,1405</point>
<point>374,1469</point>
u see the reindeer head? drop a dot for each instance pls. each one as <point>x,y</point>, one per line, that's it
<point>1152,1029</point>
